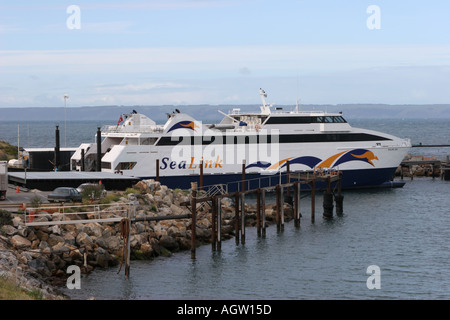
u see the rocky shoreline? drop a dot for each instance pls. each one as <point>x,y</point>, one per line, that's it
<point>36,258</point>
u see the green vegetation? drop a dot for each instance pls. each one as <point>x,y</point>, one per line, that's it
<point>10,291</point>
<point>111,197</point>
<point>92,191</point>
<point>7,151</point>
<point>132,190</point>
<point>5,218</point>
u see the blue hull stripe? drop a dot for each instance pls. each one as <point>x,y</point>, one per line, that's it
<point>351,179</point>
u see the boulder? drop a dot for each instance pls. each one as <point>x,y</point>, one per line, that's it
<point>84,240</point>
<point>20,242</point>
<point>169,243</point>
<point>9,230</point>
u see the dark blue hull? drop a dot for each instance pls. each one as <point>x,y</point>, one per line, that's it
<point>351,179</point>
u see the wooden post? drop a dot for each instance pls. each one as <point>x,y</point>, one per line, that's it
<point>339,198</point>
<point>194,218</point>
<point>313,199</point>
<point>288,179</point>
<point>236,217</point>
<point>157,170</point>
<point>201,175</point>
<point>328,201</point>
<point>243,218</point>
<point>213,223</point>
<point>277,203</point>
<point>258,212</point>
<point>219,223</point>
<point>128,257</point>
<point>263,208</point>
<point>243,176</point>
<point>297,204</point>
<point>282,208</point>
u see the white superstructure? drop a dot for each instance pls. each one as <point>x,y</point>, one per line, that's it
<point>264,141</point>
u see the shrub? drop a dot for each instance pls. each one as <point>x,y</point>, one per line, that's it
<point>5,218</point>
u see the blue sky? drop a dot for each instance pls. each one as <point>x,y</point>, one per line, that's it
<point>222,51</point>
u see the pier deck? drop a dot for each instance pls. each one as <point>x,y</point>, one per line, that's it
<point>47,181</point>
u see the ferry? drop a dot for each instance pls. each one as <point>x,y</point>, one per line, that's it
<point>259,144</point>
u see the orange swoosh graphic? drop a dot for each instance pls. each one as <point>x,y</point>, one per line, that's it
<point>367,155</point>
<point>278,164</point>
<point>327,163</point>
<point>191,125</point>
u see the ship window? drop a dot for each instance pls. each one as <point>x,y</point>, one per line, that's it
<point>106,165</point>
<point>148,141</point>
<point>125,165</point>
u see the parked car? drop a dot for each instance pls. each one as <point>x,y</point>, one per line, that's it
<point>97,189</point>
<point>64,194</point>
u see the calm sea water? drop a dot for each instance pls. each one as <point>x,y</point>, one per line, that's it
<point>402,231</point>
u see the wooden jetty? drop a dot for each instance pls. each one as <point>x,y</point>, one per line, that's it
<point>290,190</point>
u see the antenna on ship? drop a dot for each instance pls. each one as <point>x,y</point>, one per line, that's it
<point>264,108</point>
<point>296,105</point>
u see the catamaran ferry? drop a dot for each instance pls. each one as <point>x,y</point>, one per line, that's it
<point>261,144</point>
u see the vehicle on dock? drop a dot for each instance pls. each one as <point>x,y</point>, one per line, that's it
<point>64,194</point>
<point>266,143</point>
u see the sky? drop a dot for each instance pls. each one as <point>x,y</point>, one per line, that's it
<point>220,52</point>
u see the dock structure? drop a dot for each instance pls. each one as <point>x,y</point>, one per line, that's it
<point>49,180</point>
<point>284,192</point>
<point>419,165</point>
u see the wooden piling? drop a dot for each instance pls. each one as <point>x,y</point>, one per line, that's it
<point>242,218</point>
<point>263,208</point>
<point>219,223</point>
<point>277,205</point>
<point>128,244</point>
<point>157,170</point>
<point>282,208</point>
<point>201,175</point>
<point>328,201</point>
<point>297,204</point>
<point>258,212</point>
<point>339,198</point>
<point>313,199</point>
<point>236,217</point>
<point>243,176</point>
<point>213,223</point>
<point>194,218</point>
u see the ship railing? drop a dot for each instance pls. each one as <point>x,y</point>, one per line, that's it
<point>147,129</point>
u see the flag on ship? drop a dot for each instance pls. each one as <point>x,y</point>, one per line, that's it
<point>120,120</point>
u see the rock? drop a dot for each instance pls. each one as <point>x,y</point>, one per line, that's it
<point>84,240</point>
<point>55,229</point>
<point>54,239</point>
<point>169,243</point>
<point>20,242</point>
<point>176,210</point>
<point>17,221</point>
<point>69,238</point>
<point>9,230</point>
<point>41,235</point>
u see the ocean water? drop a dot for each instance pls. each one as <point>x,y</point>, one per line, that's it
<point>404,232</point>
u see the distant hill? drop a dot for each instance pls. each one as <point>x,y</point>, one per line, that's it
<point>209,112</point>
